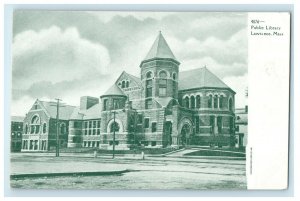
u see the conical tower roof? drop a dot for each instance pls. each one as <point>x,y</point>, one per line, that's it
<point>114,90</point>
<point>160,49</point>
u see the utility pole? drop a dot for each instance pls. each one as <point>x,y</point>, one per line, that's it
<point>57,127</point>
<point>114,134</point>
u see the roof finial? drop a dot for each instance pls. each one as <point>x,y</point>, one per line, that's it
<point>160,31</point>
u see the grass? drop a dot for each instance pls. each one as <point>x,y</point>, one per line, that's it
<point>215,153</point>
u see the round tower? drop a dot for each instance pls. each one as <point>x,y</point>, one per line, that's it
<point>159,73</point>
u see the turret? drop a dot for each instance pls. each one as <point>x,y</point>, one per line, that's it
<point>159,73</point>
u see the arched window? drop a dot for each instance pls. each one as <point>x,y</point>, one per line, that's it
<point>230,104</point>
<point>221,99</point>
<point>62,128</point>
<point>174,76</point>
<point>114,127</point>
<point>35,119</point>
<point>44,127</point>
<point>149,84</point>
<point>210,101</point>
<point>26,129</point>
<point>215,101</point>
<point>162,74</point>
<point>192,102</point>
<point>149,75</point>
<point>186,102</point>
<point>162,91</point>
<point>35,124</point>
<point>198,101</point>
<point>123,84</point>
<point>127,84</point>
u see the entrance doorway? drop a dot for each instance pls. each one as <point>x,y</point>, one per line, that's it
<point>185,134</point>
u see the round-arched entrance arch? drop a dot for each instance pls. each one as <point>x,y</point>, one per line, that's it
<point>185,131</point>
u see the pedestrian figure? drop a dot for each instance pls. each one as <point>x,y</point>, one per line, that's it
<point>143,155</point>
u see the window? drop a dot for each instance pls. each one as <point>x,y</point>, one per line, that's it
<point>149,75</point>
<point>162,82</point>
<point>26,128</point>
<point>123,84</point>
<point>114,127</point>
<point>192,102</point>
<point>35,125</point>
<point>94,131</point>
<point>212,122</point>
<point>148,88</point>
<point>85,132</point>
<point>86,124</point>
<point>230,104</point>
<point>146,123</point>
<point>221,99</point>
<point>154,127</point>
<point>210,101</point>
<point>197,124</point>
<point>153,143</point>
<point>162,91</point>
<point>105,104</point>
<point>62,128</point>
<point>84,143</point>
<point>162,74</point>
<point>77,124</point>
<point>98,124</point>
<point>140,118</point>
<point>44,127</point>
<point>198,101</point>
<point>186,102</point>
<point>215,101</point>
<point>98,131</point>
<point>127,84</point>
<point>149,104</point>
<point>174,76</point>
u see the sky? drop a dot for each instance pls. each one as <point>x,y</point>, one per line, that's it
<point>69,54</point>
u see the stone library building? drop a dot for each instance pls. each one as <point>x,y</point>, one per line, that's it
<point>161,107</point>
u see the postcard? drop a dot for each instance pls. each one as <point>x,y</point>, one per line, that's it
<point>149,100</point>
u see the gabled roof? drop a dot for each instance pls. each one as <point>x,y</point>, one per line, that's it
<point>199,78</point>
<point>64,112</point>
<point>17,118</point>
<point>136,79</point>
<point>93,112</point>
<point>160,49</point>
<point>132,77</point>
<point>114,90</point>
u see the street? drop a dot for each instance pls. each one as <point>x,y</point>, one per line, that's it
<point>151,173</point>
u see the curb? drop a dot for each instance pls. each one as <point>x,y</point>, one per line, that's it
<point>61,174</point>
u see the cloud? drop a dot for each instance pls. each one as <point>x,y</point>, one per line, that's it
<point>54,55</point>
<point>70,54</point>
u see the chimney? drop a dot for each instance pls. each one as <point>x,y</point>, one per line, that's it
<point>87,101</point>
